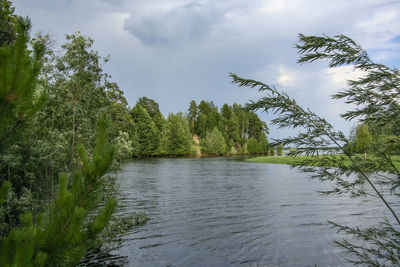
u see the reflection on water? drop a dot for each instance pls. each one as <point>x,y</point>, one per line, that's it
<point>221,212</point>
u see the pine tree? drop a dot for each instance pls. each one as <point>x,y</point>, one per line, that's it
<point>18,77</point>
<point>146,132</point>
<point>153,110</point>
<point>178,137</point>
<point>192,115</point>
<point>62,235</point>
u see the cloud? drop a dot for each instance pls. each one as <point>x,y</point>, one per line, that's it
<point>178,50</point>
<point>178,25</point>
<point>287,78</point>
<point>336,78</point>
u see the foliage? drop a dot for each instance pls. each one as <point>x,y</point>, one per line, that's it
<point>213,143</point>
<point>154,136</point>
<point>153,110</point>
<point>363,139</point>
<point>177,137</point>
<point>376,96</point>
<point>192,112</point>
<point>237,125</point>
<point>272,151</point>
<point>257,146</point>
<point>146,134</point>
<point>18,77</point>
<point>8,27</point>
<point>252,145</point>
<point>310,160</point>
<point>62,233</point>
<point>123,146</point>
<point>19,69</point>
<point>50,103</point>
<point>279,150</point>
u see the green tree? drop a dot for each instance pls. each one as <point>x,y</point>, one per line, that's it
<point>178,139</point>
<point>77,92</point>
<point>18,104</point>
<point>18,77</point>
<point>243,122</point>
<point>279,150</point>
<point>253,146</point>
<point>272,151</point>
<point>153,110</point>
<point>208,118</point>
<point>78,89</point>
<point>145,132</point>
<point>214,143</point>
<point>8,23</point>
<point>363,139</point>
<point>192,115</point>
<point>202,125</point>
<point>230,125</point>
<point>118,109</point>
<point>61,234</point>
<point>376,98</point>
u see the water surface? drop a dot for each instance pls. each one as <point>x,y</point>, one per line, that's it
<point>222,212</point>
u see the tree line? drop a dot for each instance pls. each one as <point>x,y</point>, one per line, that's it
<point>370,137</point>
<point>230,130</point>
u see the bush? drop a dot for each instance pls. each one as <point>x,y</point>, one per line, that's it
<point>213,143</point>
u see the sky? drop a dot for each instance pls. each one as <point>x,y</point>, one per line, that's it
<point>175,51</point>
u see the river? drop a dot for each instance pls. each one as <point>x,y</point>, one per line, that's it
<point>223,212</point>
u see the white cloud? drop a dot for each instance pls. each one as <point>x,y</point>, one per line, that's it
<point>378,29</point>
<point>287,78</point>
<point>336,78</point>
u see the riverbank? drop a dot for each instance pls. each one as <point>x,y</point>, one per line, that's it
<point>296,160</point>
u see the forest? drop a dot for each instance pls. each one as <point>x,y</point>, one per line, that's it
<point>203,130</point>
<point>64,124</point>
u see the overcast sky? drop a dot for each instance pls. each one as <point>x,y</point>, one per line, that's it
<point>174,51</point>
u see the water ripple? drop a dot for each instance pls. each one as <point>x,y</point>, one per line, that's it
<point>223,212</point>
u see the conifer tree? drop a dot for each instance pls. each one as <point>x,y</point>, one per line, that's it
<point>63,234</point>
<point>178,137</point>
<point>18,77</point>
<point>145,132</point>
<point>192,114</point>
<point>153,110</point>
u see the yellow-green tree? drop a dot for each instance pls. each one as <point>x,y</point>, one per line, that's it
<point>363,139</point>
